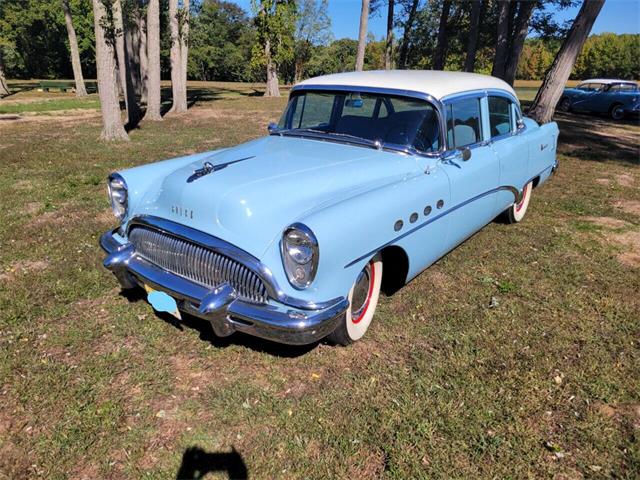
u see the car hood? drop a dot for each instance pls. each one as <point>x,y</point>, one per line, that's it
<point>257,189</point>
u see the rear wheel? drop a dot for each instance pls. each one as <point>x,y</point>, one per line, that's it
<point>363,299</point>
<point>516,212</point>
<point>617,112</point>
<point>565,105</point>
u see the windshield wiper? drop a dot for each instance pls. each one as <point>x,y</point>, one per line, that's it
<point>360,140</point>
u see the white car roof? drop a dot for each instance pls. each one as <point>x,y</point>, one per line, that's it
<point>436,83</point>
<point>607,81</point>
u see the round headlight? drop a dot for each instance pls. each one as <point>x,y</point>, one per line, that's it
<point>118,195</point>
<point>300,255</point>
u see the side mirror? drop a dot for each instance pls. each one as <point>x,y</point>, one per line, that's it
<point>466,154</point>
<point>519,124</point>
<point>272,127</point>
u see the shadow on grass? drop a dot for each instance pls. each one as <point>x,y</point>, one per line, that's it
<point>205,330</point>
<point>197,463</point>
<point>596,137</point>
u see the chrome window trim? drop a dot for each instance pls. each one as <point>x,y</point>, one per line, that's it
<point>390,91</point>
<point>209,241</point>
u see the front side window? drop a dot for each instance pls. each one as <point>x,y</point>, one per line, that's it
<point>463,122</point>
<point>500,121</point>
<point>394,121</point>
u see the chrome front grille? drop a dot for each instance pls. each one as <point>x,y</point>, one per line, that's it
<point>196,263</point>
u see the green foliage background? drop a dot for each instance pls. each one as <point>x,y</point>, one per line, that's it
<point>226,42</point>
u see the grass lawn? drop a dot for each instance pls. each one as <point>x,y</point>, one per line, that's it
<point>515,356</point>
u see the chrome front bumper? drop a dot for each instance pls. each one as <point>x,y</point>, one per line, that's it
<point>227,314</point>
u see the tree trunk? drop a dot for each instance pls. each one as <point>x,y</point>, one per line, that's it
<point>126,70</point>
<point>517,41</point>
<point>474,30</point>
<point>554,81</point>
<point>362,35</point>
<point>81,91</point>
<point>272,73</point>
<point>184,47</point>
<point>153,55</point>
<point>404,46</point>
<point>441,46</point>
<point>388,57</point>
<point>142,53</point>
<point>177,86</point>
<point>112,128</point>
<point>132,50</point>
<point>4,89</point>
<point>502,39</point>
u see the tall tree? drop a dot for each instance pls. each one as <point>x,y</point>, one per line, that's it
<point>112,128</point>
<point>153,55</point>
<point>4,89</point>
<point>440,54</point>
<point>553,85</point>
<point>178,64</point>
<point>184,43</point>
<point>275,30</point>
<point>388,52</point>
<point>502,38</point>
<point>474,31</point>
<point>125,67</point>
<point>406,35</point>
<point>362,35</point>
<point>518,36</point>
<point>81,91</point>
<point>313,28</point>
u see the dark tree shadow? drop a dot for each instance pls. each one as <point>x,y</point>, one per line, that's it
<point>206,334</point>
<point>589,136</point>
<point>196,463</point>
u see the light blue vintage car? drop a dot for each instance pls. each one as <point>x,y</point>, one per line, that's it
<point>367,180</point>
<point>615,98</point>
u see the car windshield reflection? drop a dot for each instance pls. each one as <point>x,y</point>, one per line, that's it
<point>368,119</point>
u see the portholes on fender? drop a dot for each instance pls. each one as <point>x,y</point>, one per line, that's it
<point>427,210</point>
<point>398,225</point>
<point>413,218</point>
<point>440,204</point>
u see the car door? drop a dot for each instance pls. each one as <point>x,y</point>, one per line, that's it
<point>509,145</point>
<point>473,180</point>
<point>591,99</point>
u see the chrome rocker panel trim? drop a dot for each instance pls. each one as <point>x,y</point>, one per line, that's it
<point>227,314</point>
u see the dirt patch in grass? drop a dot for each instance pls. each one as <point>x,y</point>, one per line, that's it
<point>629,206</point>
<point>630,241</point>
<point>607,222</point>
<point>625,180</point>
<point>22,268</point>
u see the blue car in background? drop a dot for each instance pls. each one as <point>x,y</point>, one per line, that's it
<point>285,237</point>
<point>615,98</point>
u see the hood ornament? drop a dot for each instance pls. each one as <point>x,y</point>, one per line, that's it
<point>208,167</point>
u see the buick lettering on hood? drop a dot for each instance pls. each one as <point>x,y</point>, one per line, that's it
<point>368,178</point>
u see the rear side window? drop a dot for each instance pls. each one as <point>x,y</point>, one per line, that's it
<point>500,121</point>
<point>623,87</point>
<point>463,122</point>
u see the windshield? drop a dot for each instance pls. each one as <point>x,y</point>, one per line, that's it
<point>365,117</point>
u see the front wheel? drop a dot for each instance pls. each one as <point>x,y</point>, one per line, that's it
<point>363,299</point>
<point>617,112</point>
<point>516,212</point>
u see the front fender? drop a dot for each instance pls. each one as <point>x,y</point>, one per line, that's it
<point>352,231</point>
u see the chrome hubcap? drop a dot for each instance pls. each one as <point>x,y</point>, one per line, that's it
<point>360,297</point>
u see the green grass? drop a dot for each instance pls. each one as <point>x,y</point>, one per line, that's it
<point>51,105</point>
<point>515,356</point>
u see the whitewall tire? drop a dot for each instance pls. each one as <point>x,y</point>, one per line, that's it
<point>363,299</point>
<point>516,212</point>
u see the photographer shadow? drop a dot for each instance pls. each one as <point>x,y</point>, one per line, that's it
<point>196,463</point>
